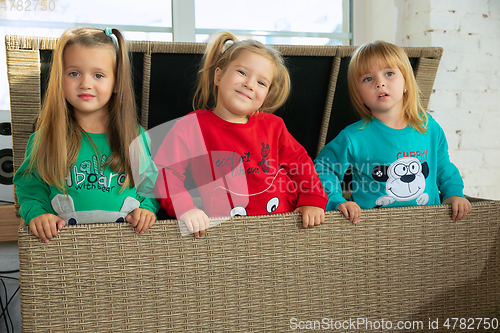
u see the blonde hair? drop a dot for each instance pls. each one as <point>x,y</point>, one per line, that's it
<point>390,55</point>
<point>220,52</point>
<point>58,137</point>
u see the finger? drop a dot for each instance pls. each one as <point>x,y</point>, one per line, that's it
<point>61,223</point>
<point>189,225</point>
<point>136,219</point>
<point>53,229</point>
<point>202,232</point>
<point>33,229</point>
<point>357,216</point>
<point>140,224</point>
<point>152,221</point>
<point>41,232</point>
<point>147,221</point>
<point>344,211</point>
<point>305,220</point>
<point>196,225</point>
<point>47,231</point>
<point>196,234</point>
<point>318,219</point>
<point>313,220</point>
<point>463,210</point>
<point>454,210</point>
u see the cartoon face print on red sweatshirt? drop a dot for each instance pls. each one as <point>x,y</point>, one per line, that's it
<point>247,184</point>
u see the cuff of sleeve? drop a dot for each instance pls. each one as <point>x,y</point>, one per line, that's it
<point>334,205</point>
<point>312,200</point>
<point>152,205</point>
<point>452,190</point>
<point>27,217</point>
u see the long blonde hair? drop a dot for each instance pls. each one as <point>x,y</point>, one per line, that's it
<point>58,137</point>
<point>386,54</point>
<point>220,52</point>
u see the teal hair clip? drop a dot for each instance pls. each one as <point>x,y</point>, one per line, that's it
<point>110,34</point>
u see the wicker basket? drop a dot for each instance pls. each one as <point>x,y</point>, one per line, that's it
<point>404,266</point>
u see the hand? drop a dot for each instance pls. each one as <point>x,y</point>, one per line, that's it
<point>311,215</point>
<point>196,221</point>
<point>45,226</point>
<point>141,219</point>
<point>351,211</point>
<point>459,206</point>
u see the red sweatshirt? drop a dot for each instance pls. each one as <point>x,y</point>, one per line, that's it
<point>239,169</point>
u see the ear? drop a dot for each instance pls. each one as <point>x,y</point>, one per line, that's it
<point>379,173</point>
<point>425,169</point>
<point>217,75</point>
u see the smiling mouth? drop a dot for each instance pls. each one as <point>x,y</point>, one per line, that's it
<point>243,95</point>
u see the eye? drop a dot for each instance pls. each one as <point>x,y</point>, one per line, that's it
<point>99,76</point>
<point>414,167</point>
<point>262,83</point>
<point>242,72</point>
<point>74,74</point>
<point>272,204</point>
<point>400,170</point>
<point>368,79</point>
<point>238,211</point>
<point>390,73</point>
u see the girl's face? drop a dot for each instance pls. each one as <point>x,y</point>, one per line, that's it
<point>242,86</point>
<point>89,80</point>
<point>381,89</point>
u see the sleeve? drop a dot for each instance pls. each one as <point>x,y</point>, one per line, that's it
<point>331,165</point>
<point>148,173</point>
<point>150,204</point>
<point>449,181</point>
<point>300,168</point>
<point>33,193</point>
<point>172,160</point>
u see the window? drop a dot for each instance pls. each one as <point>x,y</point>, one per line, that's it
<point>312,22</point>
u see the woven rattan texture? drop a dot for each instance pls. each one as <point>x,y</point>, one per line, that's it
<point>255,274</point>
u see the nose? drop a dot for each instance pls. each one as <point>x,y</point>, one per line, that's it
<point>380,83</point>
<point>85,82</point>
<point>249,84</point>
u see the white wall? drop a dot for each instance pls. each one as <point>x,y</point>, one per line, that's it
<point>465,100</point>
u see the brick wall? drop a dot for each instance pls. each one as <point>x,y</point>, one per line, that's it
<point>466,96</point>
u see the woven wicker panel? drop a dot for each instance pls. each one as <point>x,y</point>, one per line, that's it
<point>23,72</point>
<point>255,274</point>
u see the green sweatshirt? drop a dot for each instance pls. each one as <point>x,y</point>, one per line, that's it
<point>93,191</point>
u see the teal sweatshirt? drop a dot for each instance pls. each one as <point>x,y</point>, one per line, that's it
<point>391,167</point>
<point>93,191</point>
